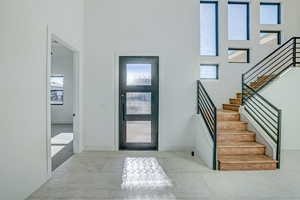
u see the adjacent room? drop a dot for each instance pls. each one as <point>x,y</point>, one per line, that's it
<point>62,104</point>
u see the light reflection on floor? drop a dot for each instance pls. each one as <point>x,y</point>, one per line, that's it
<point>59,141</point>
<point>144,174</point>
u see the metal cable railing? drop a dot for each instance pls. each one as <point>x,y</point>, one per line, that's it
<point>208,110</point>
<point>268,116</point>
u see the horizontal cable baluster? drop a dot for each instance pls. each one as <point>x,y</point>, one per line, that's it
<point>254,67</point>
<point>263,110</point>
<point>266,115</point>
<point>261,120</point>
<point>270,135</point>
<point>268,63</point>
<point>208,111</point>
<point>269,67</point>
<point>259,114</point>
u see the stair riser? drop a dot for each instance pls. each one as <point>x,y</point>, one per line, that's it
<point>241,151</point>
<point>247,166</point>
<point>235,101</point>
<point>228,117</point>
<point>238,95</point>
<point>236,138</point>
<point>257,83</point>
<point>231,126</point>
<point>233,108</point>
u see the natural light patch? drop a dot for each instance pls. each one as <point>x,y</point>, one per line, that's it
<point>138,74</point>
<point>144,173</point>
<point>55,149</point>
<point>62,139</point>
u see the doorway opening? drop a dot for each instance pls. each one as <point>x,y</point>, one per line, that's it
<point>62,103</point>
<point>138,103</point>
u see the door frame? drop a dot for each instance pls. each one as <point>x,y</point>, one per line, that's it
<point>155,111</point>
<point>76,98</point>
<point>115,59</point>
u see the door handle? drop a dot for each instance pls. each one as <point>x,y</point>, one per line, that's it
<point>74,115</point>
<point>123,106</point>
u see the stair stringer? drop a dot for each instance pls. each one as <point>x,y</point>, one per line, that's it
<point>261,136</point>
<point>204,146</point>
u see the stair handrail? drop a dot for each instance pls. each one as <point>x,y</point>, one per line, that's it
<point>273,65</point>
<point>267,115</point>
<point>208,110</point>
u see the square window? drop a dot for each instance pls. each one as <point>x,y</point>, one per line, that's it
<point>236,55</point>
<point>270,37</point>
<point>209,71</point>
<point>238,21</point>
<point>138,74</point>
<point>270,13</point>
<point>208,28</point>
<point>57,89</point>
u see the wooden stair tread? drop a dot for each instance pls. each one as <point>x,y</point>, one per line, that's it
<point>235,132</point>
<point>233,122</point>
<point>237,159</point>
<point>240,144</point>
<point>222,111</point>
<point>234,105</point>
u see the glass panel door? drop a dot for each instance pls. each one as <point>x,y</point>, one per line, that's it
<point>138,107</point>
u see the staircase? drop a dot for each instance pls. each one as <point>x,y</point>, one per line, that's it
<point>234,146</point>
<point>237,148</point>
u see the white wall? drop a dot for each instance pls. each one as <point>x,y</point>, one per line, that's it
<point>168,29</point>
<point>204,145</point>
<point>23,38</point>
<point>62,64</point>
<point>283,93</point>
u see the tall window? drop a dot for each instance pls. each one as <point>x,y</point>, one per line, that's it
<point>238,21</point>
<point>208,28</point>
<point>270,13</point>
<point>57,90</point>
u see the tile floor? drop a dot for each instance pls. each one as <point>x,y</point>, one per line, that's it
<point>166,175</point>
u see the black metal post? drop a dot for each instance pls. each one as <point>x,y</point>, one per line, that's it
<point>294,51</point>
<point>215,141</point>
<point>243,88</point>
<point>198,106</point>
<point>278,150</point>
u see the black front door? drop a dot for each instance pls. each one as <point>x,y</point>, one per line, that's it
<point>138,107</point>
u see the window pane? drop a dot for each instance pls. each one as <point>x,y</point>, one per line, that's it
<point>238,55</point>
<point>57,90</point>
<point>208,29</point>
<point>209,71</point>
<point>57,97</point>
<point>238,27</point>
<point>269,38</point>
<point>57,82</point>
<point>138,103</point>
<point>138,74</point>
<point>269,13</point>
<point>138,131</point>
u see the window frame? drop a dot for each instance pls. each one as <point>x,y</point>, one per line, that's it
<point>278,4</point>
<point>247,17</point>
<point>216,3</point>
<point>55,90</point>
<point>269,31</point>
<point>217,72</point>
<point>240,49</point>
